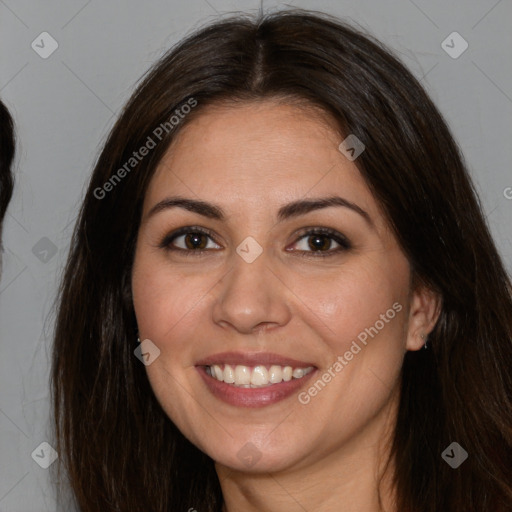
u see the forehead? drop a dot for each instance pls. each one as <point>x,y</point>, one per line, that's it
<point>261,152</point>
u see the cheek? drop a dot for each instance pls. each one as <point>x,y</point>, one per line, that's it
<point>360,317</point>
<point>355,302</point>
<point>163,299</point>
<point>165,305</point>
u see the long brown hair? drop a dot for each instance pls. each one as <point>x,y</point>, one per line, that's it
<point>120,450</point>
<point>7,149</point>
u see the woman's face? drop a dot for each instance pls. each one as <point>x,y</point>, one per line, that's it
<point>252,289</point>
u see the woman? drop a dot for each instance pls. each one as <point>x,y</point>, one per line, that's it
<point>281,292</point>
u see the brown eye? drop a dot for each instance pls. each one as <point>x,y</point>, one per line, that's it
<point>195,241</point>
<point>188,240</point>
<point>319,242</point>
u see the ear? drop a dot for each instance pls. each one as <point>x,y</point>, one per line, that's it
<point>424,311</point>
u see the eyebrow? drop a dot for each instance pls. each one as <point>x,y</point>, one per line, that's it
<point>288,211</point>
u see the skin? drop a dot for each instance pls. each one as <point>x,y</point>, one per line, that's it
<point>250,159</point>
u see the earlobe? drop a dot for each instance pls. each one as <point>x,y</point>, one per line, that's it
<point>423,315</point>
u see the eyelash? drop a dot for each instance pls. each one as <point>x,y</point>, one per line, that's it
<point>330,233</point>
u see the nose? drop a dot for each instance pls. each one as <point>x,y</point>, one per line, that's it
<point>252,297</point>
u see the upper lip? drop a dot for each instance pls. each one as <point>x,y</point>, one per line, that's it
<point>252,359</point>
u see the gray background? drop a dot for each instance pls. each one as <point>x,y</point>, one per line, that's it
<point>65,104</point>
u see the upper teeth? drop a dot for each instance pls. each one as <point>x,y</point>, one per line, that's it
<point>259,376</point>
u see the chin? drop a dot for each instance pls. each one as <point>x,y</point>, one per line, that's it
<point>246,454</point>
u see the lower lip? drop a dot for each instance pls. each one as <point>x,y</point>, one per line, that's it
<point>252,397</point>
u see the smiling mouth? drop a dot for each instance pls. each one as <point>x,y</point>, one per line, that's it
<point>259,376</point>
